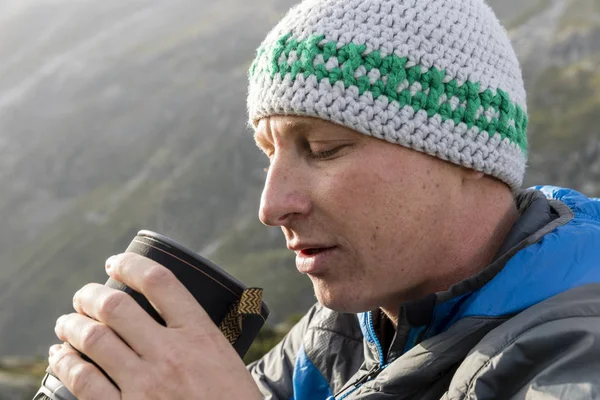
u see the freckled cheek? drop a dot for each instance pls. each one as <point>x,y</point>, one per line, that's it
<point>350,188</point>
<point>364,209</point>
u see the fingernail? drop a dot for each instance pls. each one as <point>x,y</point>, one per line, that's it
<point>60,319</point>
<point>58,326</point>
<point>110,261</point>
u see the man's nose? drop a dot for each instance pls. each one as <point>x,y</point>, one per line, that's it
<point>285,195</point>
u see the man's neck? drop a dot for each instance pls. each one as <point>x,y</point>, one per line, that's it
<point>472,249</point>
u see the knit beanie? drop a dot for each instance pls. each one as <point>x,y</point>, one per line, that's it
<point>436,76</point>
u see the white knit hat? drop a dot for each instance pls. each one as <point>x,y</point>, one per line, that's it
<point>437,76</point>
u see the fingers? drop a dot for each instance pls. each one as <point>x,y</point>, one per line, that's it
<point>100,343</point>
<point>82,378</point>
<point>164,291</point>
<point>120,312</point>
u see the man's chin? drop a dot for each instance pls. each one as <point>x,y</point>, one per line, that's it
<point>342,301</point>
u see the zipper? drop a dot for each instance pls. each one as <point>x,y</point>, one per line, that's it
<point>373,372</point>
<point>375,338</point>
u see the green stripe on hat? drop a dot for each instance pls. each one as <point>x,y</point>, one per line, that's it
<point>433,91</point>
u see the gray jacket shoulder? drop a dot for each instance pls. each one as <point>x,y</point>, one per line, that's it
<point>273,373</point>
<point>331,341</point>
<point>551,350</point>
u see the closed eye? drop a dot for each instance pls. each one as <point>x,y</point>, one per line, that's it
<point>321,155</point>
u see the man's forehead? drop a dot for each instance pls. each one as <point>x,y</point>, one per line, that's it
<point>298,124</point>
<point>287,125</point>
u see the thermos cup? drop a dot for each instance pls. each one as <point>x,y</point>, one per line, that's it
<point>237,310</point>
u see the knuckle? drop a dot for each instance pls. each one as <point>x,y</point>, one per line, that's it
<point>77,298</point>
<point>125,259</point>
<point>61,361</point>
<point>111,303</point>
<point>155,275</point>
<point>80,294</point>
<point>77,304</point>
<point>80,378</point>
<point>60,323</point>
<point>92,335</point>
<point>120,262</point>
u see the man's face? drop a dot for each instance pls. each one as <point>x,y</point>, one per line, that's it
<point>366,218</point>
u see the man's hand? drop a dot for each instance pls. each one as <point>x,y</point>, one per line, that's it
<point>188,359</point>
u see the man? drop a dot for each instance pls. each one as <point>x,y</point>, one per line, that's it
<point>396,133</point>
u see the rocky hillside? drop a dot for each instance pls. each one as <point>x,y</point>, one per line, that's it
<point>119,116</point>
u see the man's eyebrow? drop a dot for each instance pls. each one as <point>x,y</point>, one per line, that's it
<point>297,127</point>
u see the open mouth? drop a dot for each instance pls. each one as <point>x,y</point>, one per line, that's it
<point>314,251</point>
<point>314,260</point>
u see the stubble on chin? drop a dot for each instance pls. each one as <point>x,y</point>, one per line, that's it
<point>338,298</point>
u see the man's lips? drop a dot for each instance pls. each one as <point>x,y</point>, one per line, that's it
<point>312,260</point>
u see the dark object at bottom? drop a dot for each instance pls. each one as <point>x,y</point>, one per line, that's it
<point>238,311</point>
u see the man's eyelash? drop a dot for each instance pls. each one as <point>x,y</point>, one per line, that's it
<point>325,154</point>
<point>318,155</point>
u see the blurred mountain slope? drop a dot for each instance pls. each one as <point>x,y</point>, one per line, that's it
<point>120,116</point>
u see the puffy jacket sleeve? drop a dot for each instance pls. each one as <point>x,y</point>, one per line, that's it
<point>551,351</point>
<point>273,372</point>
